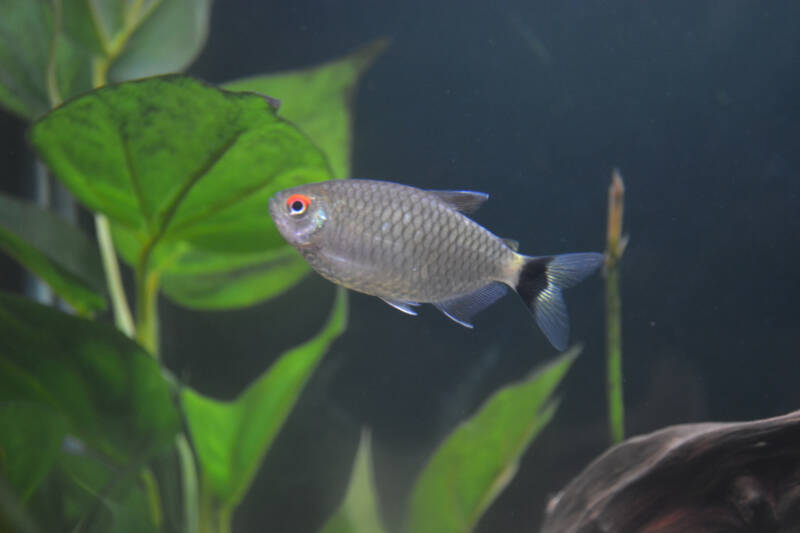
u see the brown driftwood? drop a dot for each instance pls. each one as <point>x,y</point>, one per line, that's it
<point>693,478</point>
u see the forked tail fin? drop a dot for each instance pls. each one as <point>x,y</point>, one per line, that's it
<point>540,283</point>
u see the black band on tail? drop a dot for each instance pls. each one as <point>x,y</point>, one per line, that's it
<point>540,283</point>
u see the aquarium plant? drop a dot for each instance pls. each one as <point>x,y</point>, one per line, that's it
<point>95,434</point>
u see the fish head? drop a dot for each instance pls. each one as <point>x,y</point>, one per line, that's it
<point>300,213</point>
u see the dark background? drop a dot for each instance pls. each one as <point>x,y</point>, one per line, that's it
<point>695,101</point>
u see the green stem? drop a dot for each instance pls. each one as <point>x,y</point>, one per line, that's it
<point>616,408</point>
<point>614,250</point>
<point>147,309</point>
<point>53,92</point>
<point>122,313</point>
<point>214,517</point>
<point>189,484</point>
<point>153,497</point>
<point>119,302</point>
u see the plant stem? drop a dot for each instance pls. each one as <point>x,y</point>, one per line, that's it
<point>189,484</point>
<point>614,250</point>
<point>153,497</point>
<point>147,309</point>
<point>122,313</point>
<point>116,290</point>
<point>214,518</point>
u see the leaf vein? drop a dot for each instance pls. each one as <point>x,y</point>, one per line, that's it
<point>174,204</point>
<point>135,183</point>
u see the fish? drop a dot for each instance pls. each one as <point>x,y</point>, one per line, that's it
<point>411,246</point>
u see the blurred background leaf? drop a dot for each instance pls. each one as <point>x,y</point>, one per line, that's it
<point>30,440</point>
<point>84,492</point>
<point>26,30</point>
<point>56,251</point>
<point>167,41</point>
<point>111,393</point>
<point>184,171</point>
<point>359,512</point>
<point>48,49</point>
<point>319,100</point>
<point>477,461</point>
<point>231,438</point>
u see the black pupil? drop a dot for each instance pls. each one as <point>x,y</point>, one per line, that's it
<point>297,206</point>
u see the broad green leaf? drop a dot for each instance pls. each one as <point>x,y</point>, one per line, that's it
<point>239,280</point>
<point>203,279</point>
<point>480,457</point>
<point>54,250</point>
<point>319,100</point>
<point>358,512</point>
<point>49,48</point>
<point>30,440</point>
<point>184,171</point>
<point>110,391</point>
<point>231,438</point>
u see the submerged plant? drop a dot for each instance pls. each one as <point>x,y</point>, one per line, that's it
<point>615,247</point>
<point>95,435</point>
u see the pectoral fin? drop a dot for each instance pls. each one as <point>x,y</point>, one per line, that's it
<point>462,308</point>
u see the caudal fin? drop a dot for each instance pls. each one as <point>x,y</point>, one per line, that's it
<point>540,284</point>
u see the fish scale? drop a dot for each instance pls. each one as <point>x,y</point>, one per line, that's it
<point>410,246</point>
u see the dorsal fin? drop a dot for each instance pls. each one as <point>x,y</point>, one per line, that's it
<point>464,201</point>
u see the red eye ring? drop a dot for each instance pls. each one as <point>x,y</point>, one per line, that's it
<point>297,204</point>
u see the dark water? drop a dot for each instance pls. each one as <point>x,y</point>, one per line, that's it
<point>695,101</point>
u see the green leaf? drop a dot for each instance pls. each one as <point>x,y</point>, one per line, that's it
<point>86,493</point>
<point>48,49</point>
<point>480,457</point>
<point>359,510</point>
<point>111,393</point>
<point>319,100</point>
<point>184,171</point>
<point>54,250</point>
<point>30,440</point>
<point>167,41</point>
<point>25,35</point>
<point>200,279</point>
<point>231,438</point>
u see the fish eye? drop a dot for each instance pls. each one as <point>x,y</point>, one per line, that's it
<point>297,204</point>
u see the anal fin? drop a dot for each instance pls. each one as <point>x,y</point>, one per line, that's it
<point>400,305</point>
<point>461,309</point>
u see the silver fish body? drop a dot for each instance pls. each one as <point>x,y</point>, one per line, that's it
<point>410,246</point>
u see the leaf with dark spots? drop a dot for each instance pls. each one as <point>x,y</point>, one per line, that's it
<point>184,171</point>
